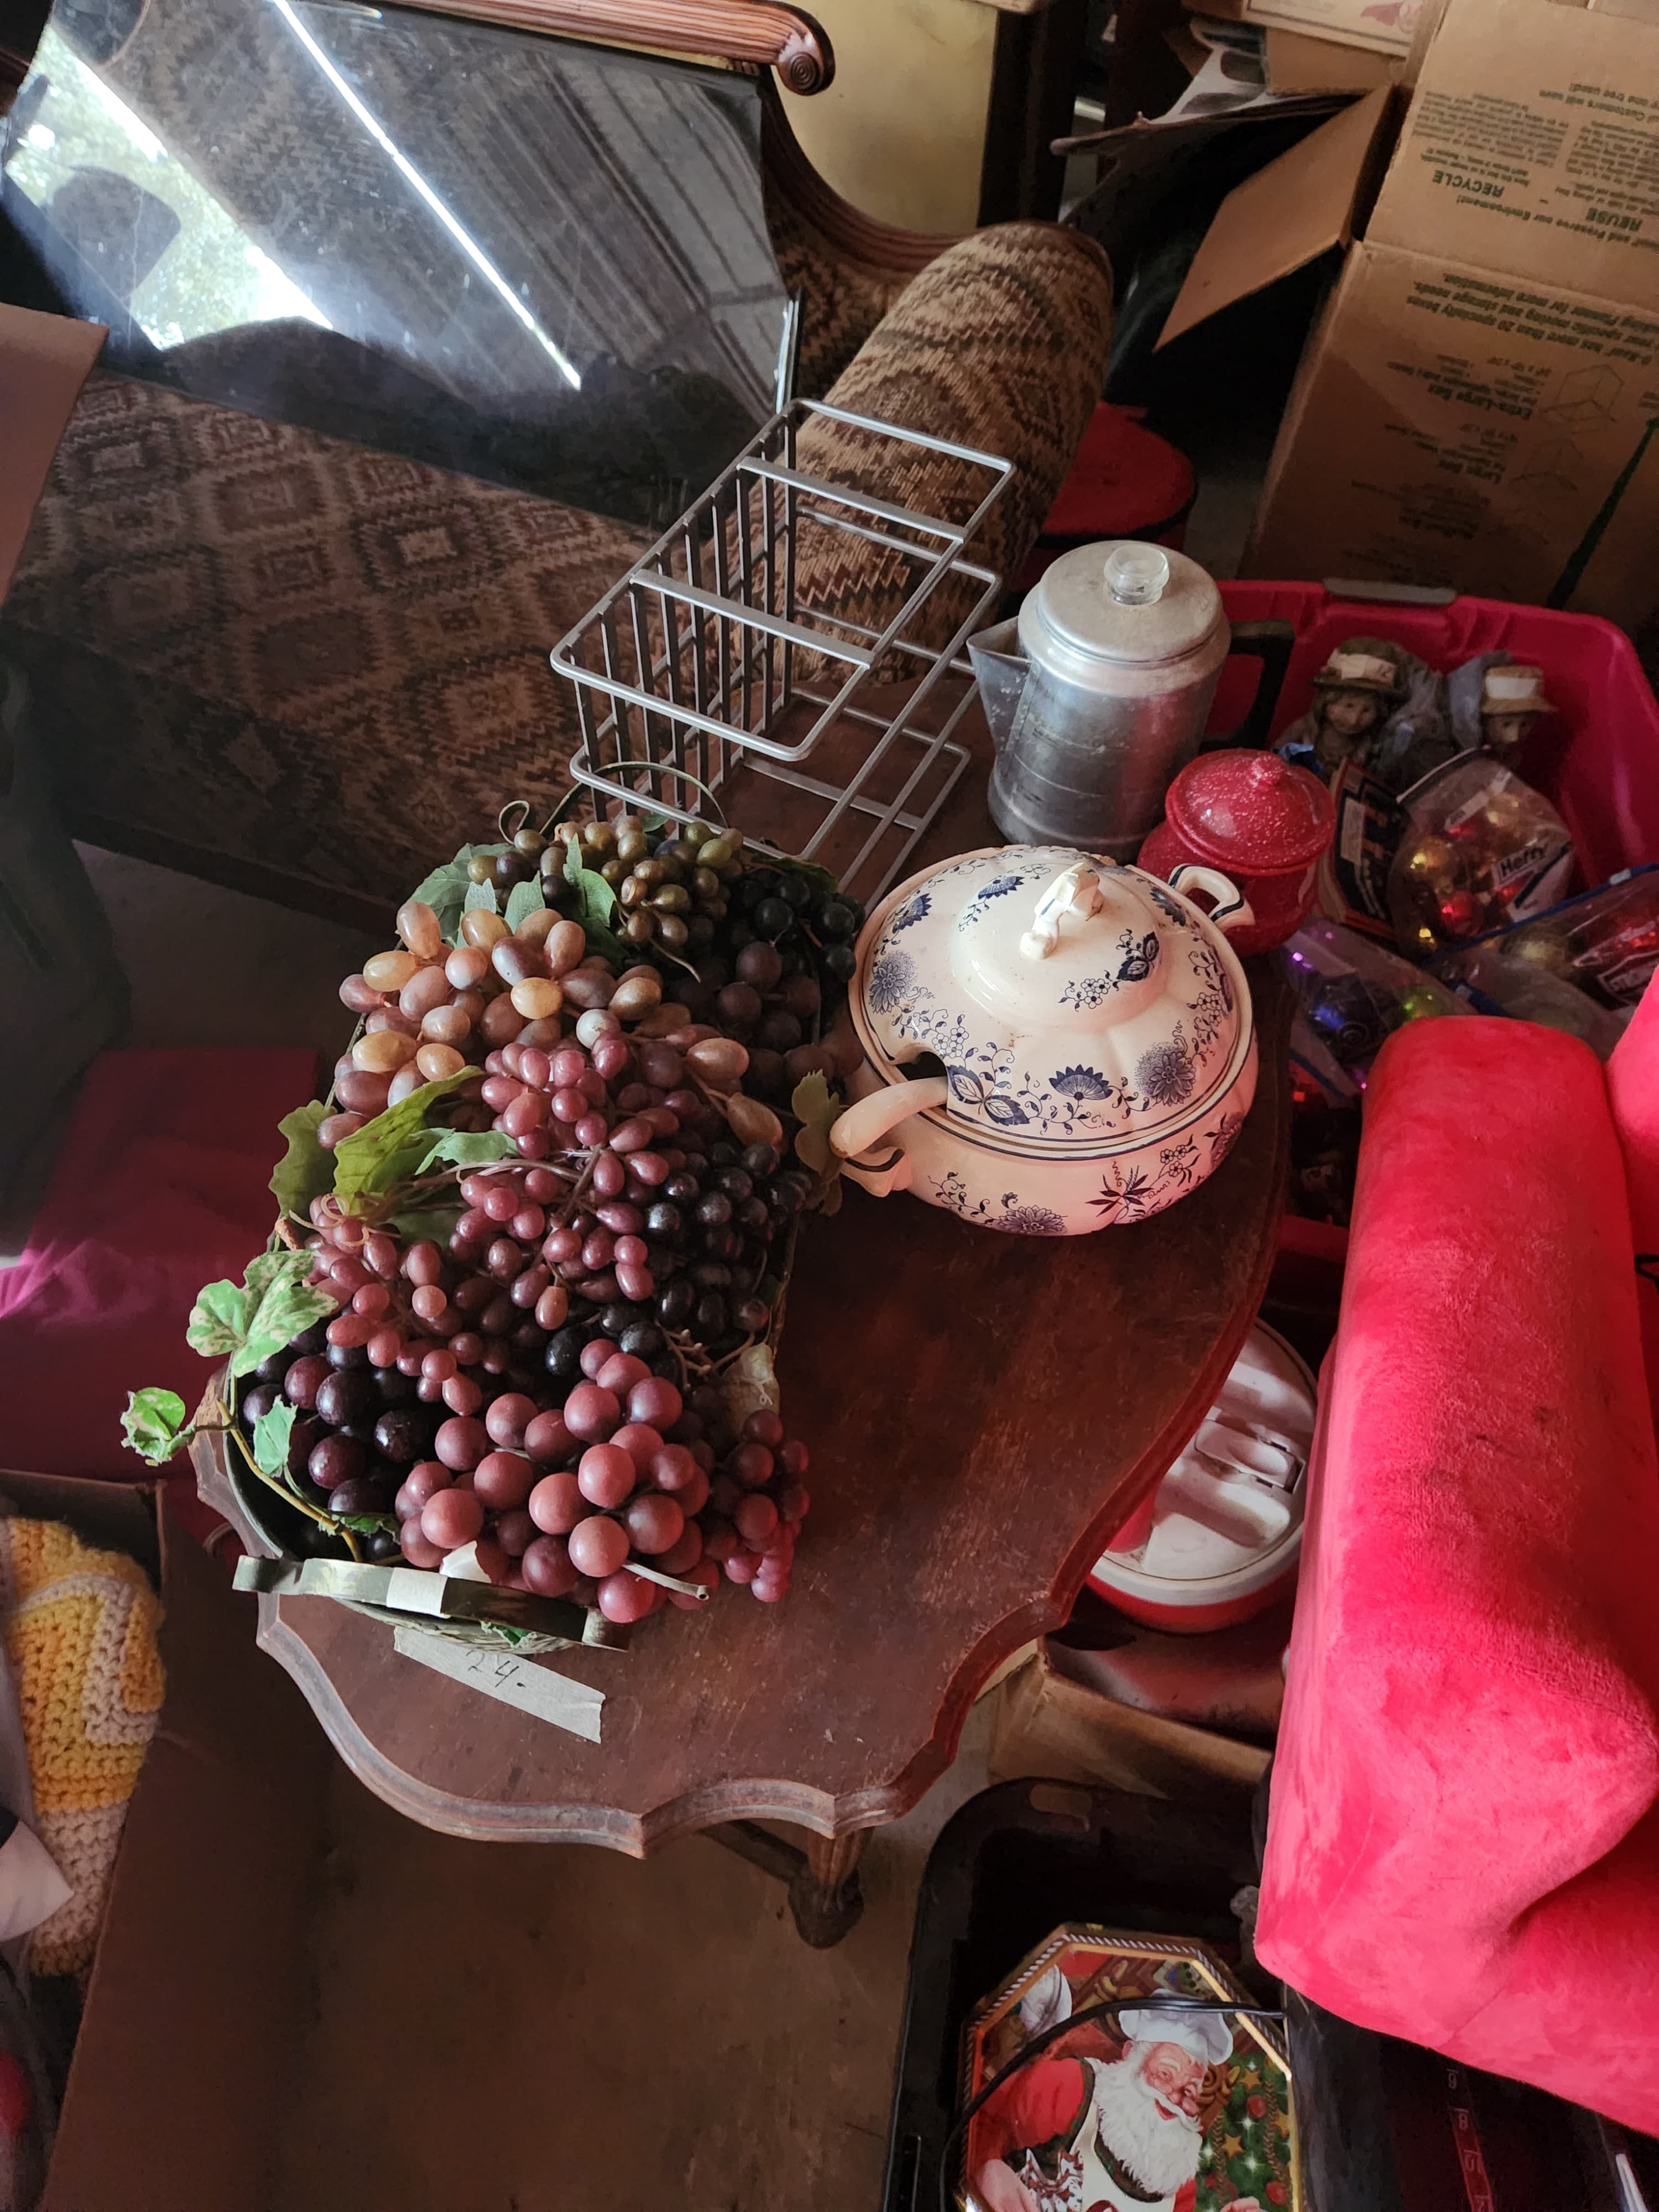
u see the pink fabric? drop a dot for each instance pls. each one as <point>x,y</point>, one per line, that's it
<point>162,1185</point>
<point>1463,1847</point>
<point>1633,1090</point>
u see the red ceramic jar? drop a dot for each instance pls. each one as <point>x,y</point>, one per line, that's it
<point>1260,821</point>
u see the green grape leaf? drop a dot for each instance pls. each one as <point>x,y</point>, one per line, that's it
<point>524,899</point>
<point>273,1432</point>
<point>816,1107</point>
<point>445,890</point>
<point>479,895</point>
<point>366,1524</point>
<point>596,903</point>
<point>424,1225</point>
<point>276,1303</point>
<point>305,1170</point>
<point>154,1425</point>
<point>388,1150</point>
<point>467,1148</point>
<point>218,1320</point>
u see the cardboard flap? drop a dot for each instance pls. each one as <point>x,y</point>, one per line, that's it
<point>1296,64</point>
<point>1285,217</point>
<point>43,361</point>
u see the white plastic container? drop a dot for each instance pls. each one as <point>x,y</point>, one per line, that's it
<point>1221,1538</point>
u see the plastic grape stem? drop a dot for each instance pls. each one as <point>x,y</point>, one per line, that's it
<point>304,1505</point>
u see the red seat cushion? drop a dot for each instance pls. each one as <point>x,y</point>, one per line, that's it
<point>1461,1826</point>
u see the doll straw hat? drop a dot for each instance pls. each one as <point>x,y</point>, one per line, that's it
<point>1514,690</point>
<point>1361,672</point>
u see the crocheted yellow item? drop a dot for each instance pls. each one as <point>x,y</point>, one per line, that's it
<point>79,1633</point>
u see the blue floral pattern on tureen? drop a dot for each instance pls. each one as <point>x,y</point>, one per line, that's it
<point>1137,957</point>
<point>1131,1190</point>
<point>1019,1220</point>
<point>999,887</point>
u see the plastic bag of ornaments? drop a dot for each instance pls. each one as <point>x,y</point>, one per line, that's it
<point>1351,995</point>
<point>1580,966</point>
<point>1480,849</point>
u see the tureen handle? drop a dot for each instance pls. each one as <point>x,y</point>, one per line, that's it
<point>1077,887</point>
<point>1231,910</point>
<point>870,1120</point>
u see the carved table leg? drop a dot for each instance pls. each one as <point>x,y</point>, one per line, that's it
<point>825,1897</point>
<point>822,1880</point>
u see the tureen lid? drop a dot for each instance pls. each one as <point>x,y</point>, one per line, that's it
<point>1120,603</point>
<point>1252,809</point>
<point>1076,1005</point>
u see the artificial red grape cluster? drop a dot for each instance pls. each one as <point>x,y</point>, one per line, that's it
<point>516,1387</point>
<point>631,1231</point>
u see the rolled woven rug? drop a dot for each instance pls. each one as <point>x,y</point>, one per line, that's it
<point>1000,345</point>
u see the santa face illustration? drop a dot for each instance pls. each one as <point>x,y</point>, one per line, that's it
<point>1087,2134</point>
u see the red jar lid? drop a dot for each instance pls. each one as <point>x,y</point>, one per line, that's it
<point>1252,810</point>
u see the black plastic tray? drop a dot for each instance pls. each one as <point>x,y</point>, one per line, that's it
<point>1010,1866</point>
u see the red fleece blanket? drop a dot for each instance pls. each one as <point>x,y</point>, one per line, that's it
<point>1463,1847</point>
<point>162,1185</point>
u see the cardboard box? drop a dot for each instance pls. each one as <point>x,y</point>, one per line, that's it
<point>1383,28</point>
<point>43,361</point>
<point>1477,406</point>
<point>181,2075</point>
<point>1047,1725</point>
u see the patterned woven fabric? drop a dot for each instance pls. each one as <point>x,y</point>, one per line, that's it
<point>267,646</point>
<point>80,1628</point>
<point>845,299</point>
<point>1001,344</point>
<point>280,659</point>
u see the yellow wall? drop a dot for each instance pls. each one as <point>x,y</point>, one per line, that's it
<point>901,132</point>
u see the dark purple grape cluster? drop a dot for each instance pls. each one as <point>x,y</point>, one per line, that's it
<point>776,976</point>
<point>609,1489</point>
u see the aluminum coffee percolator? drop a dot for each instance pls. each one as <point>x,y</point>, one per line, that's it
<point>1097,693</point>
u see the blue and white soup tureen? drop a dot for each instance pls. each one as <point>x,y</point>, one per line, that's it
<point>1053,1043</point>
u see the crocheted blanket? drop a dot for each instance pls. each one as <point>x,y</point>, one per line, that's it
<point>80,1628</point>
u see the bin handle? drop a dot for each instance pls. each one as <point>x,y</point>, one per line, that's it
<point>1384,593</point>
<point>1271,642</point>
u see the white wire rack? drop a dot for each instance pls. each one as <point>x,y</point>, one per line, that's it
<point>712,663</point>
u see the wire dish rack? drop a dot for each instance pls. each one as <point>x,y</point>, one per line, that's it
<point>713,667</point>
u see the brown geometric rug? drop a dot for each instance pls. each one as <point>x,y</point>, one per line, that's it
<point>267,653</point>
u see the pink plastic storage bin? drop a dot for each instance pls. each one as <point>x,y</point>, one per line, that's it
<point>1597,758</point>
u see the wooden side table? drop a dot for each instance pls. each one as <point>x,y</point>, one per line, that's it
<point>983,1411</point>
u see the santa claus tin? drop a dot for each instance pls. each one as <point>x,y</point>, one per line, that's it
<point>1153,2109</point>
<point>1262,822</point>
